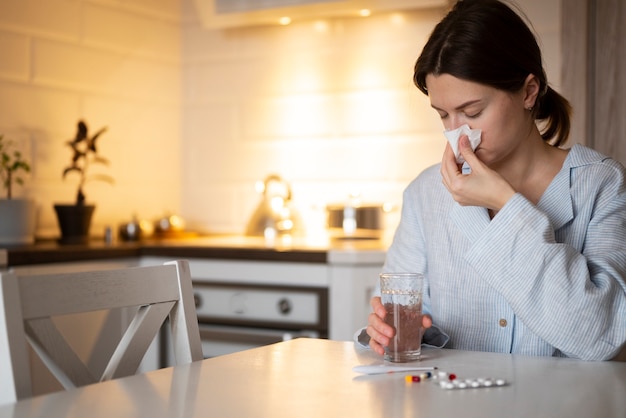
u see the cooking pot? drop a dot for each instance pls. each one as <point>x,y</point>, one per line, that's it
<point>356,221</point>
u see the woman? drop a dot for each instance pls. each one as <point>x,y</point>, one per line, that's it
<point>527,253</point>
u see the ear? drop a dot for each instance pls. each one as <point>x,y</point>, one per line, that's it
<point>531,91</point>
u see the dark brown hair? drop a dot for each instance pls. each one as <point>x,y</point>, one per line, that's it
<point>486,42</point>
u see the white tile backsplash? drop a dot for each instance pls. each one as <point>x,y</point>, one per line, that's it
<point>50,18</point>
<point>136,33</point>
<point>16,49</point>
<point>196,116</point>
<point>328,105</point>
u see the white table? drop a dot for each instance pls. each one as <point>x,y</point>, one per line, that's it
<point>314,378</point>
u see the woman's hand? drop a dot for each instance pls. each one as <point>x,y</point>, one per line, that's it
<point>380,333</point>
<point>482,187</point>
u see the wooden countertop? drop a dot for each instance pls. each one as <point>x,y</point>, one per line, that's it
<point>50,252</point>
<point>213,247</point>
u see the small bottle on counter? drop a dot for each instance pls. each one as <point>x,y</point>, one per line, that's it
<point>108,235</point>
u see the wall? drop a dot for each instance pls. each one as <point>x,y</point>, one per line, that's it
<point>197,116</point>
<point>113,63</point>
<point>327,104</point>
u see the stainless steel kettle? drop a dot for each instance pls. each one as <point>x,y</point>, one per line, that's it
<point>275,214</point>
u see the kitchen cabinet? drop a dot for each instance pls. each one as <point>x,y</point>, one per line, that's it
<point>349,283</point>
<point>339,292</point>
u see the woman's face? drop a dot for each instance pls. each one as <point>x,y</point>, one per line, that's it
<point>500,115</point>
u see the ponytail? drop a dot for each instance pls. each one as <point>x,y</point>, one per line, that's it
<point>556,110</point>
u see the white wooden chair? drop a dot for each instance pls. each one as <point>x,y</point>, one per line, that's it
<point>28,303</point>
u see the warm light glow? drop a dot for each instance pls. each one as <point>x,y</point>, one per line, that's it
<point>285,225</point>
<point>285,20</point>
<point>387,207</point>
<point>372,111</point>
<point>365,12</point>
<point>259,186</point>
<point>177,222</point>
<point>303,116</point>
<point>277,203</point>
<point>269,233</point>
<point>368,77</point>
<point>320,26</point>
<point>397,19</point>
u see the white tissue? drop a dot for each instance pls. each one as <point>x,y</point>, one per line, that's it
<point>454,135</point>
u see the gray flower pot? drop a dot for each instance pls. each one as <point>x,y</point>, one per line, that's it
<point>17,221</point>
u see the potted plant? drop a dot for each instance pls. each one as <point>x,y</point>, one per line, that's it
<point>75,219</point>
<point>17,216</point>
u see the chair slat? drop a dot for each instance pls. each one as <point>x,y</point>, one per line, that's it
<point>57,354</point>
<point>184,320</point>
<point>63,294</point>
<point>14,363</point>
<point>136,340</point>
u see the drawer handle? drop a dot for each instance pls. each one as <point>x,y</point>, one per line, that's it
<point>284,306</point>
<point>197,300</point>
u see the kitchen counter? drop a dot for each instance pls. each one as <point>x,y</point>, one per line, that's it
<point>230,247</point>
<point>344,271</point>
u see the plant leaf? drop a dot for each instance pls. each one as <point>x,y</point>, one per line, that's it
<point>102,177</point>
<point>81,134</point>
<point>97,134</point>
<point>70,169</point>
<point>101,160</point>
<point>77,155</point>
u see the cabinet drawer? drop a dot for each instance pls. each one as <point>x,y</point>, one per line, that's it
<point>277,306</point>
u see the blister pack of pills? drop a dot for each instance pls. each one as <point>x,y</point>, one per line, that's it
<point>472,383</point>
<point>450,381</point>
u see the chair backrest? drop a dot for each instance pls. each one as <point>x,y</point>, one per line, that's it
<point>27,305</point>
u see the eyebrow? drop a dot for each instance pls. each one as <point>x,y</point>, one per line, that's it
<point>461,106</point>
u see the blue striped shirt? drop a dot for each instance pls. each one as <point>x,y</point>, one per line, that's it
<point>545,279</point>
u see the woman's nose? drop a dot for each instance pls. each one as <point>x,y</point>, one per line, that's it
<point>453,123</point>
<point>456,121</point>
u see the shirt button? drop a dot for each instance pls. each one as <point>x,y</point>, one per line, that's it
<point>502,322</point>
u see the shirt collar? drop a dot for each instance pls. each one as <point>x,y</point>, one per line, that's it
<point>556,201</point>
